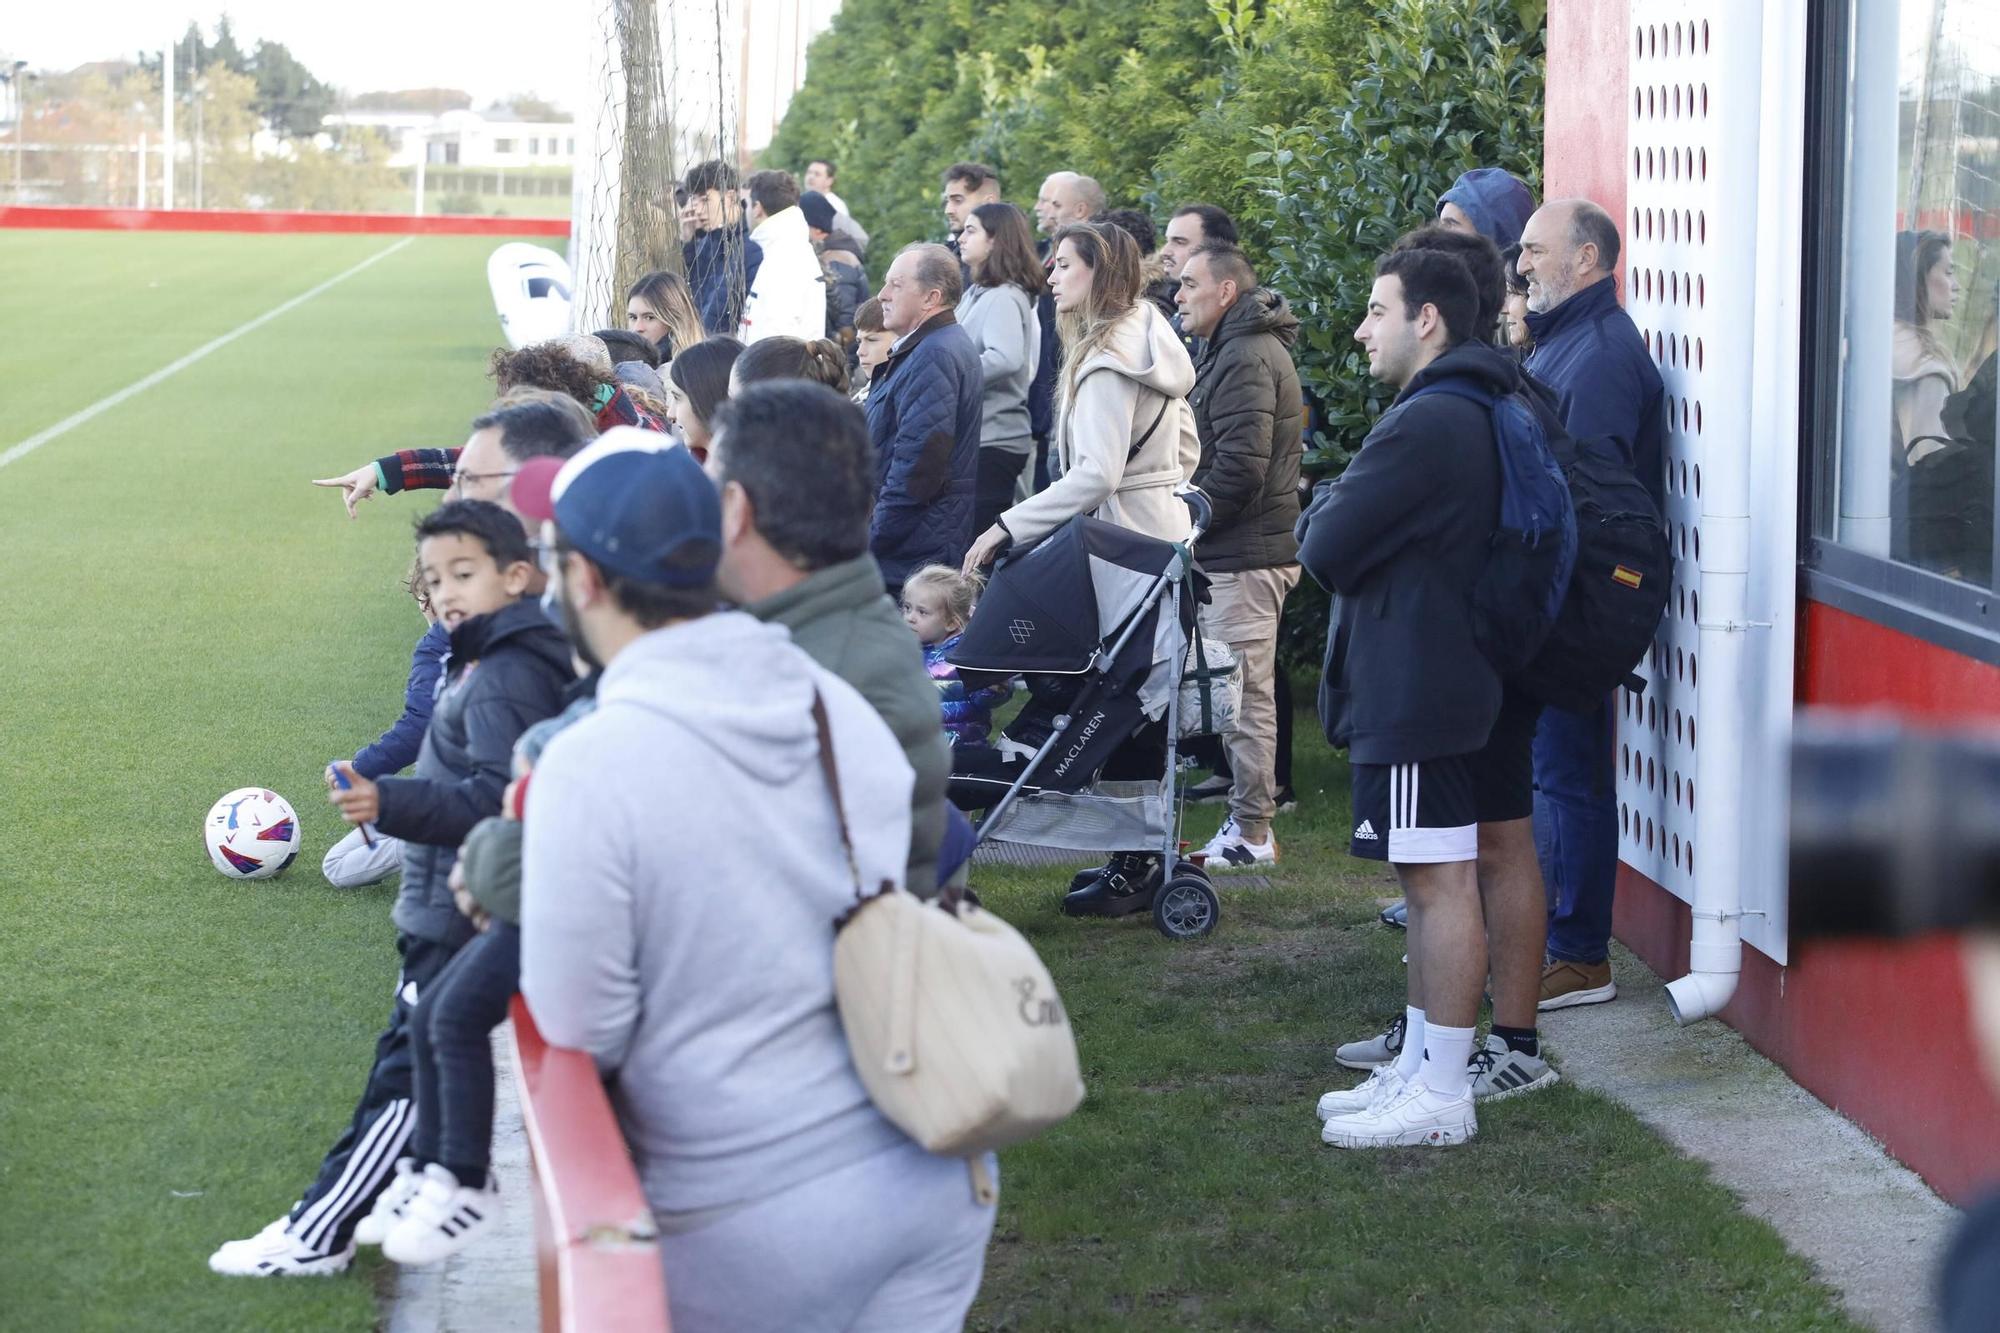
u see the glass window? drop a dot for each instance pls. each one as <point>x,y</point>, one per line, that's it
<point>1917,276</point>
<point>503,145</point>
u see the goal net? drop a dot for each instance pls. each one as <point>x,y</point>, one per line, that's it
<point>665,80</point>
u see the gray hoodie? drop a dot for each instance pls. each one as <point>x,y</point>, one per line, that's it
<point>682,869</point>
<point>1002,324</point>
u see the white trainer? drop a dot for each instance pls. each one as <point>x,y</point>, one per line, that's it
<point>1381,1083</point>
<point>275,1252</point>
<point>1415,1117</point>
<point>1230,850</point>
<point>391,1204</point>
<point>443,1219</point>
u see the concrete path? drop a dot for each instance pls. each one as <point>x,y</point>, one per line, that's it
<point>491,1287</point>
<point>1870,1226</point>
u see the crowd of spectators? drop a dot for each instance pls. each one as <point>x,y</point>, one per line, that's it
<point>775,493</point>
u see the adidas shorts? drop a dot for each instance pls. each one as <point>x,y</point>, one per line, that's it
<point>1416,814</point>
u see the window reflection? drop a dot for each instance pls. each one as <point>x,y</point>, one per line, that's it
<point>1947,290</point>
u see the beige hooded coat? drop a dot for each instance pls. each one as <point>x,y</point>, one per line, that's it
<point>1143,373</point>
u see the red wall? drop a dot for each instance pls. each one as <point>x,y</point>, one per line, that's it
<point>221,219</point>
<point>1879,1032</point>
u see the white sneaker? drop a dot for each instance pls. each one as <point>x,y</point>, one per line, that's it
<point>443,1219</point>
<point>1230,850</point>
<point>391,1204</point>
<point>1415,1117</point>
<point>1499,1071</point>
<point>1383,1082</point>
<point>275,1252</point>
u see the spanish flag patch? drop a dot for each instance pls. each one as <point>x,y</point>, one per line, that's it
<point>1631,578</point>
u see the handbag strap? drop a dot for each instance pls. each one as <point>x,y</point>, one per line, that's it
<point>1158,416</point>
<point>827,767</point>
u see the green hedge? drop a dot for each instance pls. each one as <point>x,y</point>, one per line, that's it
<point>1326,127</point>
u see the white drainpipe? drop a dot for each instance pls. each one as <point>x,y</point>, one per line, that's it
<point>1728,385</point>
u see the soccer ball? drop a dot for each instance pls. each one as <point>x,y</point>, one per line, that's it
<point>252,833</point>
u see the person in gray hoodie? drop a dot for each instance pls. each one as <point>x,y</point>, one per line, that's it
<point>686,849</point>
<point>997,312</point>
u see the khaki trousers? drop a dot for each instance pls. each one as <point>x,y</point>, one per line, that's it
<point>1244,606</point>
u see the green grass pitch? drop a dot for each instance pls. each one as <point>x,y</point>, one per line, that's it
<point>184,615</point>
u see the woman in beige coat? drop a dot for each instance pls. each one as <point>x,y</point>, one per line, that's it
<point>1125,437</point>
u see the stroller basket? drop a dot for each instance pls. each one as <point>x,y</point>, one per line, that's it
<point>1109,816</point>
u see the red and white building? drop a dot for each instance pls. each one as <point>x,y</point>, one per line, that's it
<point>1761,158</point>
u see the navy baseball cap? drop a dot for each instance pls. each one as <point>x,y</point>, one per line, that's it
<point>634,502</point>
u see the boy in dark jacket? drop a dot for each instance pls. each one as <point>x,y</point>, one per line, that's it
<point>1400,538</point>
<point>508,669</point>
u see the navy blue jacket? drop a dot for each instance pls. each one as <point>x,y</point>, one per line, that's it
<point>717,285</point>
<point>1399,538</point>
<point>396,749</point>
<point>1588,351</point>
<point>924,415</point>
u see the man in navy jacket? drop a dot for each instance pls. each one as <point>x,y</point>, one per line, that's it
<point>1589,353</point>
<point>721,261</point>
<point>923,416</point>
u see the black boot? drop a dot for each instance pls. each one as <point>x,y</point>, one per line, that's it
<point>1127,885</point>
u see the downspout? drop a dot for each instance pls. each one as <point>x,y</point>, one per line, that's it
<point>1721,545</point>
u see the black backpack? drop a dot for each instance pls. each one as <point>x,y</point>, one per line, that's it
<point>1618,589</point>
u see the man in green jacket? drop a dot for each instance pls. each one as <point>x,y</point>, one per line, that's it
<point>796,470</point>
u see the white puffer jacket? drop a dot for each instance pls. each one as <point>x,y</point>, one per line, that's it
<point>789,294</point>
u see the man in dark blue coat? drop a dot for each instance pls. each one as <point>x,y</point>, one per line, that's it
<point>923,416</point>
<point>1589,353</point>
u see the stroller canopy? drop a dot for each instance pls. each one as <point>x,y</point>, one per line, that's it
<point>1054,607</point>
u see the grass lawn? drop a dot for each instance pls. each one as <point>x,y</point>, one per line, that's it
<point>1192,1191</point>
<point>185,615</point>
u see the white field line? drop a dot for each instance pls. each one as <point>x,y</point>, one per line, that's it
<point>71,422</point>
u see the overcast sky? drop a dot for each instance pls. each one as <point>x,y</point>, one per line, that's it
<point>488,49</point>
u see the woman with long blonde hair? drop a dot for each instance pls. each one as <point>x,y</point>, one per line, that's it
<point>660,306</point>
<point>1125,443</point>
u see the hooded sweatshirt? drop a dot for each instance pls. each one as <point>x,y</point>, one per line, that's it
<point>1110,466</point>
<point>682,868</point>
<point>1399,538</point>
<point>1498,204</point>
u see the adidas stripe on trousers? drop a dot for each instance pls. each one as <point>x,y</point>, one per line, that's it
<point>362,1160</point>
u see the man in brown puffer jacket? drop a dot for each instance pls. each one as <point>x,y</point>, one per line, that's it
<point>1250,416</point>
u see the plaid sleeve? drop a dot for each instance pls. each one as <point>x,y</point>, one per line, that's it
<point>417,470</point>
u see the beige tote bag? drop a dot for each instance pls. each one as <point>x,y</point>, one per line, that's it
<point>953,1022</point>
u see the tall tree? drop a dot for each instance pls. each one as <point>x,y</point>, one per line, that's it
<point>290,100</point>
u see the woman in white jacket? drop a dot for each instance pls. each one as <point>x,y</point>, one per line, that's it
<point>1125,438</point>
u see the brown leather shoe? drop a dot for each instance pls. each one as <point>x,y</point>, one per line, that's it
<point>1565,984</point>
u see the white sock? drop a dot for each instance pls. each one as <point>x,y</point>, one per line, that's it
<point>1446,1052</point>
<point>1412,1058</point>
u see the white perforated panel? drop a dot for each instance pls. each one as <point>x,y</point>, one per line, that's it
<point>1715,112</point>
<point>1675,138</point>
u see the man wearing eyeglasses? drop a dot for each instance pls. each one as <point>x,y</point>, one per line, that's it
<point>526,424</point>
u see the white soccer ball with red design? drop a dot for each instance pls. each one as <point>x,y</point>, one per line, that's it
<point>252,833</point>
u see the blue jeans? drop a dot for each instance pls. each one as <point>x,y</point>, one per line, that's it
<point>1576,830</point>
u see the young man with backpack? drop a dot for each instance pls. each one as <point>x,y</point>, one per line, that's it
<point>1408,690</point>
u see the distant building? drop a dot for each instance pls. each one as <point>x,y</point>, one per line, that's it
<point>495,137</point>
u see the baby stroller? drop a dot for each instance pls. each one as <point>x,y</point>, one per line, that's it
<point>1098,618</point>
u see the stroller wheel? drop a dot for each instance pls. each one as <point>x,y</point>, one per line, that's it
<point>1186,908</point>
